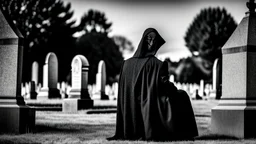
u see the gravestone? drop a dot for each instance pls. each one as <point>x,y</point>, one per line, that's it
<point>32,90</point>
<point>34,80</point>
<point>63,89</point>
<point>235,115</point>
<point>101,80</point>
<point>201,88</point>
<point>35,72</point>
<point>79,97</point>
<point>50,78</point>
<point>171,78</point>
<point>216,78</point>
<point>115,87</point>
<point>197,95</point>
<point>15,115</point>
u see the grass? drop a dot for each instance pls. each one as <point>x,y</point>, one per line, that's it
<point>59,127</point>
<point>97,103</point>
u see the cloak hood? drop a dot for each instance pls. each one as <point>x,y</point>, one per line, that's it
<point>142,50</point>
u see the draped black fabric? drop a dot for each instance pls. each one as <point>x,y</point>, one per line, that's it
<point>142,50</point>
<point>149,107</point>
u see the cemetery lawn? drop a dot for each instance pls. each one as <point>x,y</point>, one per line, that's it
<point>81,127</point>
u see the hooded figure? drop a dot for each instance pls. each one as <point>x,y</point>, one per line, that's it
<point>149,107</point>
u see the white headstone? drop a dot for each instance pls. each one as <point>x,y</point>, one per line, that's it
<point>171,78</point>
<point>216,79</point>
<point>77,73</point>
<point>79,97</point>
<point>201,88</point>
<point>79,80</point>
<point>35,72</point>
<point>101,80</point>
<point>63,89</point>
<point>50,78</point>
<point>101,76</point>
<point>214,73</point>
<point>115,85</point>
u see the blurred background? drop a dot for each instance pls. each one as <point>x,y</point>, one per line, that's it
<point>110,30</point>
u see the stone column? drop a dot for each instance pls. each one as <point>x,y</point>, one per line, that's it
<point>50,78</point>
<point>15,115</point>
<point>79,97</point>
<point>235,114</point>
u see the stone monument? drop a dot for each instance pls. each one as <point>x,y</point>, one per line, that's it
<point>235,115</point>
<point>15,115</point>
<point>50,78</point>
<point>79,97</point>
<point>101,80</point>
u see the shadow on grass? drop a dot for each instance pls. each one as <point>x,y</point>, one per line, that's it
<point>52,129</point>
<point>71,128</point>
<point>61,133</point>
<point>216,137</point>
<point>15,142</point>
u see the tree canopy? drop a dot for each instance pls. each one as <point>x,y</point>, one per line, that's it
<point>95,21</point>
<point>95,45</point>
<point>188,70</point>
<point>47,27</point>
<point>208,32</point>
<point>205,37</point>
<point>125,45</point>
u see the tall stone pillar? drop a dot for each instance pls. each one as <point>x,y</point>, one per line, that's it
<point>15,115</point>
<point>235,115</point>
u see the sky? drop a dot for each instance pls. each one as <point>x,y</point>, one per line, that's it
<point>171,18</point>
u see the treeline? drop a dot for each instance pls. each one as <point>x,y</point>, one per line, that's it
<point>47,26</point>
<point>205,37</point>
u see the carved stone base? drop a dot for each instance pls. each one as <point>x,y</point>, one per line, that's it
<point>73,105</point>
<point>79,93</point>
<point>16,119</point>
<point>48,93</point>
<point>235,119</point>
<point>103,96</point>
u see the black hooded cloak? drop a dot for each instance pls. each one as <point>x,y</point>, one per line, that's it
<point>149,107</point>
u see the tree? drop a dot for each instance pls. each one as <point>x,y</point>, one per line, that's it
<point>46,27</point>
<point>172,66</point>
<point>125,45</point>
<point>208,32</point>
<point>95,21</point>
<point>95,45</point>
<point>187,70</point>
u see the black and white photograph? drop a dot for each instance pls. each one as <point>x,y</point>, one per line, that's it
<point>127,71</point>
